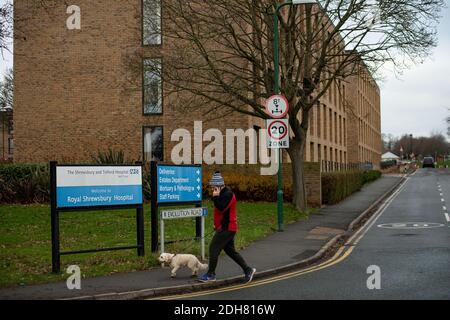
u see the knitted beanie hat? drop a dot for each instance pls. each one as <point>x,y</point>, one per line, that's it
<point>217,180</point>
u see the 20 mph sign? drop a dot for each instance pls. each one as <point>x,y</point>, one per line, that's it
<point>278,133</point>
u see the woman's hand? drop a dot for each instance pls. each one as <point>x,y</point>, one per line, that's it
<point>216,191</point>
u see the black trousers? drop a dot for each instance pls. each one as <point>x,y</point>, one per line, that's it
<point>224,240</point>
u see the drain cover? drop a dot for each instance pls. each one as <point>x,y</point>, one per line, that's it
<point>410,225</point>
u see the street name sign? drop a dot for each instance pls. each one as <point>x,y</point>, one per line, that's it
<point>179,184</point>
<point>184,213</point>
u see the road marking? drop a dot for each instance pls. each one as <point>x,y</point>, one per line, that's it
<point>258,282</point>
<point>411,225</point>
<point>342,253</point>
<point>447,217</point>
<point>375,217</point>
<point>444,208</point>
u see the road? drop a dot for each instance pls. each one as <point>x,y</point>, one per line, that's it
<point>407,241</point>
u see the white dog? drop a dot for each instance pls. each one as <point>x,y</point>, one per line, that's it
<point>176,261</point>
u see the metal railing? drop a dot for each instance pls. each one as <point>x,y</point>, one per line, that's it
<point>332,166</point>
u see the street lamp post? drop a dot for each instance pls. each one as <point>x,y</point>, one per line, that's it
<point>411,146</point>
<point>276,56</point>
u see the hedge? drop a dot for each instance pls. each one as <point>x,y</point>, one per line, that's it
<point>337,186</point>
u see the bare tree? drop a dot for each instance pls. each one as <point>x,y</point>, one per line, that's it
<point>221,52</point>
<point>389,141</point>
<point>435,144</point>
<point>7,91</point>
<point>448,125</point>
<point>6,25</point>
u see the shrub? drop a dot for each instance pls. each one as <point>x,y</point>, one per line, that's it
<point>22,183</point>
<point>110,157</point>
<point>248,184</point>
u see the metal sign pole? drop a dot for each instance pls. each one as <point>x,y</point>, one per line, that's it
<point>56,256</point>
<point>203,237</point>
<point>162,235</point>
<point>140,232</point>
<point>154,206</point>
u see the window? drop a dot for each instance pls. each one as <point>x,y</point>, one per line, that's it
<point>151,22</point>
<point>319,120</point>
<point>10,126</point>
<point>152,87</point>
<point>153,144</point>
<point>10,146</point>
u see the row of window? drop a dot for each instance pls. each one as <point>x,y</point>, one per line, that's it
<point>326,124</point>
<point>317,152</point>
<point>152,36</point>
<point>153,136</point>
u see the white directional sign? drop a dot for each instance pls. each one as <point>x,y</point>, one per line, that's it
<point>278,133</point>
<point>277,106</point>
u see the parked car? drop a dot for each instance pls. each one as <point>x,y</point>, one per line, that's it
<point>428,162</point>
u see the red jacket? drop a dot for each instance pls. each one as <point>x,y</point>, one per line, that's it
<point>225,214</point>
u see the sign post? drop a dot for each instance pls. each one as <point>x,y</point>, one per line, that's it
<point>277,107</point>
<point>185,213</point>
<point>93,188</point>
<point>175,185</point>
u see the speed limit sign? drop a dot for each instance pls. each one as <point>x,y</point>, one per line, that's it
<point>278,133</point>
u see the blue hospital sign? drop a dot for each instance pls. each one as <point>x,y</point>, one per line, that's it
<point>94,186</point>
<point>179,184</point>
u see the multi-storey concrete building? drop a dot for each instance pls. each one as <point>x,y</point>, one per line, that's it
<point>78,90</point>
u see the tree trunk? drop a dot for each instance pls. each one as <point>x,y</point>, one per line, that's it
<point>296,152</point>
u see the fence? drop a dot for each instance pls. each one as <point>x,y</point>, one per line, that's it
<point>331,166</point>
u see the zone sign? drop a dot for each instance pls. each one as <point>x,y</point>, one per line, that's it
<point>278,133</point>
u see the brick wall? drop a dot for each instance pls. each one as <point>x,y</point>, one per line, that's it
<point>313,183</point>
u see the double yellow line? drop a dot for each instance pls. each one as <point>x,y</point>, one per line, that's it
<point>342,253</point>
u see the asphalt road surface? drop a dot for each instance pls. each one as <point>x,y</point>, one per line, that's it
<point>407,243</point>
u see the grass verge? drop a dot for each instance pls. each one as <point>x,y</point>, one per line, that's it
<point>25,245</point>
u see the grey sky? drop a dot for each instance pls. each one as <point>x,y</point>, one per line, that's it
<point>416,103</point>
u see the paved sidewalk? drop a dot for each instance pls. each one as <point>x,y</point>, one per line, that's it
<point>299,241</point>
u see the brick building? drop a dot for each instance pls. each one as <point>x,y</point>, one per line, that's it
<point>76,94</point>
<point>364,119</point>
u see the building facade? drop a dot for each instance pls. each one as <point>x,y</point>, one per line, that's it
<point>79,91</point>
<point>364,118</point>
